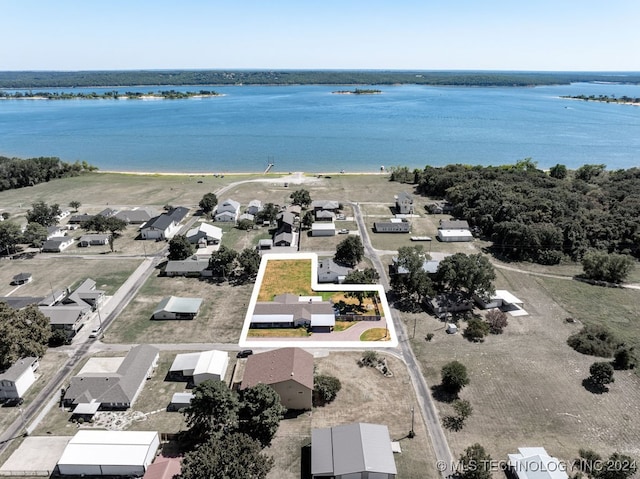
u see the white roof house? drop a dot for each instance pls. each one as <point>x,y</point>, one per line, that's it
<point>15,381</point>
<point>109,453</point>
<point>323,229</point>
<point>201,366</point>
<point>458,235</point>
<point>210,233</point>
<point>535,463</point>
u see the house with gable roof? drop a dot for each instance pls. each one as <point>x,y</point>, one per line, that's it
<point>289,371</point>
<point>227,211</point>
<point>15,381</point>
<point>164,226</point>
<point>404,203</point>
<point>292,311</point>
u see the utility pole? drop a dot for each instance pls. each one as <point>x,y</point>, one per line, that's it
<point>412,433</point>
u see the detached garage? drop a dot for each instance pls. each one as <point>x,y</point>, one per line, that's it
<point>323,229</point>
<point>109,453</point>
<point>453,236</point>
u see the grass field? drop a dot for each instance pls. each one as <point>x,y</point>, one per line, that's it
<point>286,276</point>
<point>219,320</point>
<point>526,384</point>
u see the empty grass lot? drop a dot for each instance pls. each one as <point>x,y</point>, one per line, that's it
<point>286,276</point>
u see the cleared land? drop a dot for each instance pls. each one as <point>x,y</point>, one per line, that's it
<point>526,384</point>
<point>286,276</point>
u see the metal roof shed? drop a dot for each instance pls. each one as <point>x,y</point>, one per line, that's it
<point>109,453</point>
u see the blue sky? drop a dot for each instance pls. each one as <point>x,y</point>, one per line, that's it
<point>586,35</point>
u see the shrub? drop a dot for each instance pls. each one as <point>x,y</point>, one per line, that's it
<point>497,321</point>
<point>624,359</point>
<point>594,340</point>
<point>476,330</point>
<point>325,389</point>
<point>454,376</point>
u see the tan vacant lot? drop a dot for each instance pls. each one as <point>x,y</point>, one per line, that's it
<point>526,384</point>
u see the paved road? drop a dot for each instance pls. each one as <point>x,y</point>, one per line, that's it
<point>429,412</point>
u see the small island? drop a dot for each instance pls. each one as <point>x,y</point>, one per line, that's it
<point>624,100</point>
<point>109,95</point>
<point>357,91</point>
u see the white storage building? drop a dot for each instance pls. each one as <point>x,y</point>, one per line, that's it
<point>109,453</point>
<point>323,229</point>
<point>201,366</point>
<point>450,236</point>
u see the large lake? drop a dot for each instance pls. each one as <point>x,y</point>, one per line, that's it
<point>307,128</point>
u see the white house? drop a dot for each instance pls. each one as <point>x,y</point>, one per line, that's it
<point>204,232</point>
<point>173,307</point>
<point>453,236</point>
<point>228,211</point>
<point>323,229</point>
<point>109,453</point>
<point>200,366</point>
<point>57,244</point>
<point>15,381</point>
<point>255,206</point>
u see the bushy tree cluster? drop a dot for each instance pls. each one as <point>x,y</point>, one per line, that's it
<point>349,251</point>
<point>603,266</point>
<point>18,173</point>
<point>23,333</point>
<point>617,466</point>
<point>537,216</point>
<point>227,263</point>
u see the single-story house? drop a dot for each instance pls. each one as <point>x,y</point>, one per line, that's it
<point>326,205</point>
<point>283,238</point>
<point>15,381</point>
<point>66,318</point>
<point>20,302</point>
<point>21,278</point>
<point>173,307</point>
<point>255,206</point>
<point>57,244</point>
<point>454,236</point>
<point>448,303</point>
<point>200,366</point>
<point>404,203</point>
<point>187,267</point>
<point>352,451</point>
<point>210,234</point>
<point>325,215</point>
<point>165,225</point>
<point>453,225</point>
<point>292,311</point>
<point>53,231</point>
<point>227,211</point>
<point>86,294</point>
<point>80,218</point>
<point>137,216</point>
<point>323,229</point>
<point>535,463</point>
<point>117,390</point>
<point>94,240</point>
<point>331,272</point>
<point>394,225</point>
<point>109,453</point>
<point>289,371</point>
<point>180,401</point>
<point>246,216</point>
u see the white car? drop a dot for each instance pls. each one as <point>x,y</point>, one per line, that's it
<point>95,333</point>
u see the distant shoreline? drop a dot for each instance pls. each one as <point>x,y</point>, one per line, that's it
<point>273,175</point>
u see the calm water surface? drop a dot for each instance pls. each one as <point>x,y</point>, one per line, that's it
<point>306,128</point>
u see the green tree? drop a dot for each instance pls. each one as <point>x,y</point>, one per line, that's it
<point>208,202</point>
<point>349,251</point>
<point>10,237</point>
<point>624,359</point>
<point>35,234</point>
<point>269,212</point>
<point>75,205</point>
<point>411,281</point>
<point>454,376</point>
<point>223,261</point>
<point>23,333</point>
<point>601,374</point>
<point>618,466</point>
<point>362,276</point>
<point>249,261</point>
<point>325,389</point>
<point>115,225</point>
<point>43,214</point>
<point>475,463</point>
<point>229,456</point>
<point>589,172</point>
<point>472,274</point>
<point>260,413</point>
<point>476,330</point>
<point>558,172</point>
<point>307,219</point>
<point>180,248</point>
<point>301,197</point>
<point>463,410</point>
<point>213,409</point>
<point>245,224</point>
<point>602,266</point>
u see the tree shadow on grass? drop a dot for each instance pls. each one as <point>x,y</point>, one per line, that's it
<point>442,394</point>
<point>594,388</point>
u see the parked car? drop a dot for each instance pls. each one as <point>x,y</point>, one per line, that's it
<point>343,232</point>
<point>13,402</point>
<point>95,333</point>
<point>245,353</point>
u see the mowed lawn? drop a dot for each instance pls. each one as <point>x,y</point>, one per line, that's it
<point>286,276</point>
<point>526,384</point>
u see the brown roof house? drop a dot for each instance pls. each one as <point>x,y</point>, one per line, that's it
<point>288,370</point>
